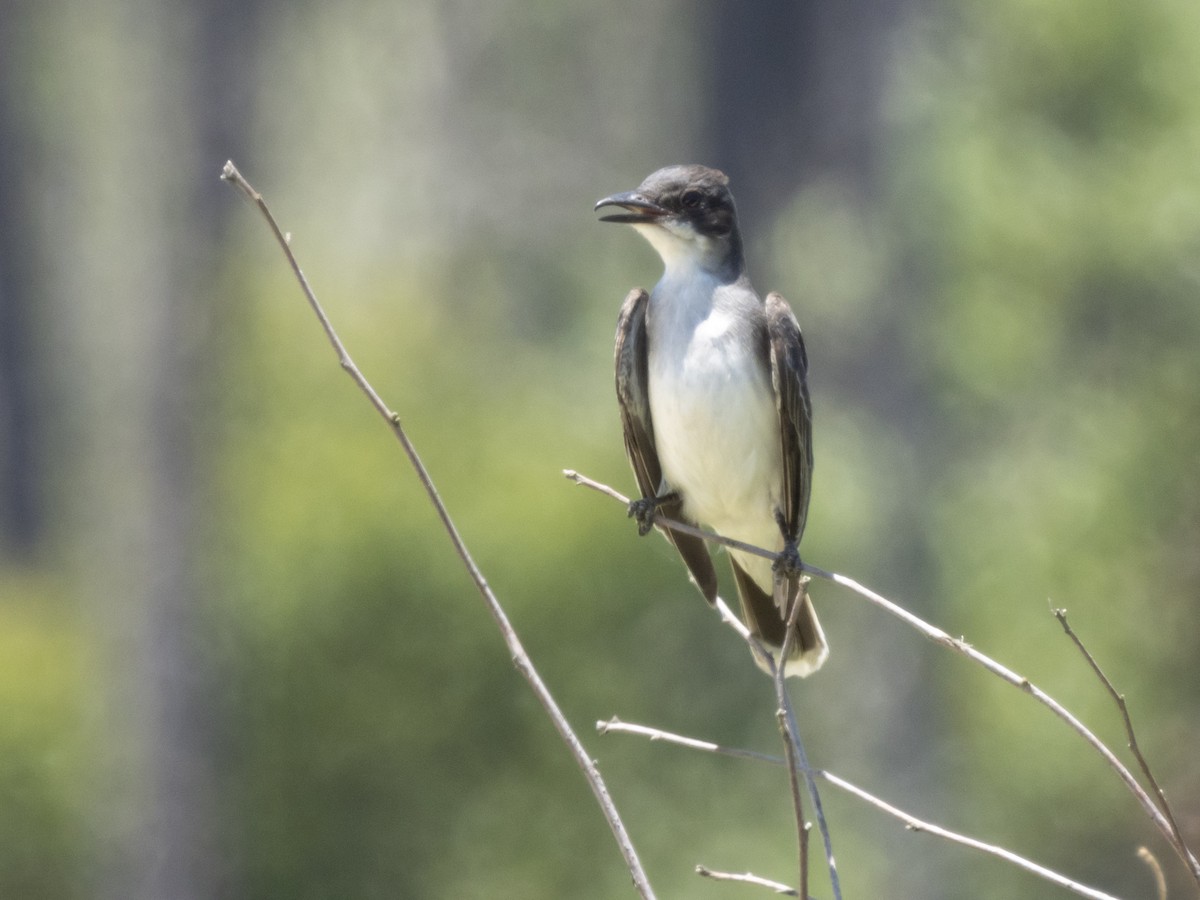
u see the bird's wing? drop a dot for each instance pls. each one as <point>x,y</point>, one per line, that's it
<point>789,369</point>
<point>633,396</point>
<point>633,393</point>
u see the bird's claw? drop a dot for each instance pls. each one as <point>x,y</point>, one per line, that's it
<point>644,511</point>
<point>787,563</point>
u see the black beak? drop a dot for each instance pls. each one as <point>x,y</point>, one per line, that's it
<point>640,209</point>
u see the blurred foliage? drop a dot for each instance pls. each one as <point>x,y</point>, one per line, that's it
<point>43,759</point>
<point>1003,333</point>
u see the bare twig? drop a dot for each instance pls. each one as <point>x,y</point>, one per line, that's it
<point>520,658</point>
<point>1152,863</point>
<point>960,646</point>
<point>915,824</point>
<point>681,527</point>
<point>797,590</point>
<point>1119,699</point>
<point>911,822</point>
<point>1024,684</point>
<point>730,618</point>
<point>797,757</point>
<point>789,730</point>
<point>616,725</point>
<point>747,878</point>
<point>788,721</point>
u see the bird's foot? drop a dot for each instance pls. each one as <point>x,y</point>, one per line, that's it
<point>644,511</point>
<point>787,563</point>
<point>791,584</point>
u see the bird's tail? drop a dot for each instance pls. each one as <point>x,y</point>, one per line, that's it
<point>766,621</point>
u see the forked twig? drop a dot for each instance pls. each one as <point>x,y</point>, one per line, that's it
<point>520,658</point>
<point>797,757</point>
<point>789,731</point>
<point>793,743</point>
<point>1119,699</point>
<point>939,636</point>
<point>910,821</point>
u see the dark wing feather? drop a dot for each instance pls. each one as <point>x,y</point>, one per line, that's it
<point>633,395</point>
<point>633,392</point>
<point>789,371</point>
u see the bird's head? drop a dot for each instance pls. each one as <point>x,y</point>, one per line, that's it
<point>687,215</point>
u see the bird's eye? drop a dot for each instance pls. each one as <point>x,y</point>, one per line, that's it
<point>691,199</point>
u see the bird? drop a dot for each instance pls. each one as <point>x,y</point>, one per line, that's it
<point>712,386</point>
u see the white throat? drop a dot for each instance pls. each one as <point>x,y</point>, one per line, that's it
<point>680,247</point>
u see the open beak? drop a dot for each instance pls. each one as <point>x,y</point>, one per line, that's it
<point>640,209</point>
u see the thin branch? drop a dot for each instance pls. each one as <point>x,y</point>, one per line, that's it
<point>1024,684</point>
<point>911,822</point>
<point>915,824</point>
<point>620,726</point>
<point>781,695</point>
<point>797,590</point>
<point>747,878</point>
<point>789,731</point>
<point>616,725</point>
<point>681,527</point>
<point>1152,863</point>
<point>730,618</point>
<point>791,738</point>
<point>938,636</point>
<point>520,658</point>
<point>1119,699</point>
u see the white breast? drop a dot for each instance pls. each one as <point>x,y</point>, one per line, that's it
<point>715,421</point>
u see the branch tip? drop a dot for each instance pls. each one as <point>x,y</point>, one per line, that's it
<point>747,878</point>
<point>1155,807</point>
<point>910,822</point>
<point>1155,867</point>
<point>524,664</point>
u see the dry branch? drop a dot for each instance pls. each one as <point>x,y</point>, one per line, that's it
<point>747,878</point>
<point>1130,734</point>
<point>910,821</point>
<point>520,658</point>
<point>790,732</point>
<point>1161,821</point>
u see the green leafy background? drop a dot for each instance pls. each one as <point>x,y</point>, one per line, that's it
<point>241,658</point>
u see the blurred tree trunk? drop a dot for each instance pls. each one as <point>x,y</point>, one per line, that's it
<point>21,513</point>
<point>795,94</point>
<point>144,100</point>
<point>797,99</point>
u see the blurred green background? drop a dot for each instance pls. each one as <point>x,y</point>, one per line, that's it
<point>237,655</point>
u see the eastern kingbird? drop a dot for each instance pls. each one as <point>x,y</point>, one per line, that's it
<point>711,384</point>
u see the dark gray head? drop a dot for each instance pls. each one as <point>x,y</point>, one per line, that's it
<point>687,214</point>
